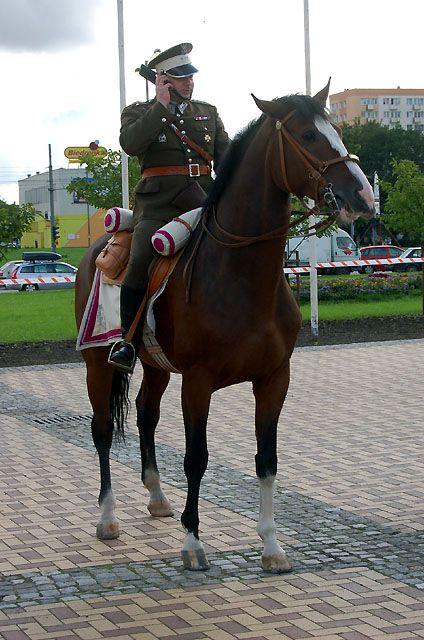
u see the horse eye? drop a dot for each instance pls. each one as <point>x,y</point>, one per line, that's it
<point>309,136</point>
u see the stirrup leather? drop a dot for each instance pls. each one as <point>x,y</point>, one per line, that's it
<point>122,367</point>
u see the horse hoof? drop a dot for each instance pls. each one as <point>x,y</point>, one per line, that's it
<point>160,508</point>
<point>107,532</point>
<point>276,564</point>
<point>195,560</point>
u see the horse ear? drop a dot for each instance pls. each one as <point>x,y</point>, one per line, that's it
<point>321,96</point>
<point>269,107</point>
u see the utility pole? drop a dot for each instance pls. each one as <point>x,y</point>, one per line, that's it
<point>52,217</point>
<point>122,100</point>
<point>312,237</point>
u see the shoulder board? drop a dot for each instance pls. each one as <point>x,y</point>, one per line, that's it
<point>138,103</point>
<point>207,104</point>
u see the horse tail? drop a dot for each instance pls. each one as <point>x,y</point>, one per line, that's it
<point>119,403</point>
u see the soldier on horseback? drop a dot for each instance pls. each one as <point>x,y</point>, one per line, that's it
<point>175,139</point>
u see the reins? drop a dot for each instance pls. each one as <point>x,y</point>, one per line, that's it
<point>316,168</point>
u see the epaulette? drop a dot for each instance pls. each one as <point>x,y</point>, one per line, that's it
<point>208,104</point>
<point>140,104</point>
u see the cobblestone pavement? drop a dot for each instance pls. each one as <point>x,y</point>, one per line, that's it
<point>349,510</point>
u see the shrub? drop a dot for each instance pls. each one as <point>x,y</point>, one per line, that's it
<point>362,287</point>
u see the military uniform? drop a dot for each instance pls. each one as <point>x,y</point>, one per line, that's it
<point>168,166</point>
<point>146,133</point>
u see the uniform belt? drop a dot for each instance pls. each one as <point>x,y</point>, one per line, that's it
<point>191,170</point>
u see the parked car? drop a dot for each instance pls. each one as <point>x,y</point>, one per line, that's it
<point>9,268</point>
<point>379,252</point>
<point>36,265</point>
<point>411,252</point>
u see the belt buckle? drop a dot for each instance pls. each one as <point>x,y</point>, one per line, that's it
<point>194,170</point>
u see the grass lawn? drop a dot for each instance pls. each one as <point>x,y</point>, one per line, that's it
<point>35,316</point>
<point>347,310</point>
<point>71,255</point>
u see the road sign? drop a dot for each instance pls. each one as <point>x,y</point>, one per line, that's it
<point>74,154</point>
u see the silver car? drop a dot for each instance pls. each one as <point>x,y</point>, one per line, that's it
<point>34,270</point>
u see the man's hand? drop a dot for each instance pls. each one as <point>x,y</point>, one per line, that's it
<point>163,90</point>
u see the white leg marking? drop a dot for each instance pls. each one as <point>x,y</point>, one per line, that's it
<point>274,558</point>
<point>108,509</point>
<point>152,484</point>
<point>193,554</point>
<point>266,524</point>
<point>191,543</point>
<point>159,504</point>
<point>108,527</point>
<point>335,141</point>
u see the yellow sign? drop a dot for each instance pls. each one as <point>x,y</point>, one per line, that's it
<point>74,154</point>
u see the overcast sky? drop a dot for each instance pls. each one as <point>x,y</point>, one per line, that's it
<point>59,62</point>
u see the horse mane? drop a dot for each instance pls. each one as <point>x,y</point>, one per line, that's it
<point>306,105</point>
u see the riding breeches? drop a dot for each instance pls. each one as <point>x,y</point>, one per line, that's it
<point>142,253</point>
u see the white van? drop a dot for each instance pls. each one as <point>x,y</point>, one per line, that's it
<point>335,248</point>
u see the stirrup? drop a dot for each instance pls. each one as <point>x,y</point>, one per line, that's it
<point>118,365</point>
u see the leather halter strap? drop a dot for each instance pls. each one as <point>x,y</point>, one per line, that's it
<point>315,166</point>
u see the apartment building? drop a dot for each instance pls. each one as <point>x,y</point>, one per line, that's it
<point>389,107</point>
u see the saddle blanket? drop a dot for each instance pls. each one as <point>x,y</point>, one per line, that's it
<point>101,324</point>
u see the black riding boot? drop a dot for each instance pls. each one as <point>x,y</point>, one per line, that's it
<point>123,354</point>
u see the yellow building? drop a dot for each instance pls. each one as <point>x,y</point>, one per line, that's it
<point>79,224</point>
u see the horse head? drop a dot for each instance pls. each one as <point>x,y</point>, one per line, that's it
<point>306,155</point>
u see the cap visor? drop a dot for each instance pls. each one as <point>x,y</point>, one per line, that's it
<point>182,72</point>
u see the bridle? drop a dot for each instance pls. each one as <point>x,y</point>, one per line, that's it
<point>324,196</point>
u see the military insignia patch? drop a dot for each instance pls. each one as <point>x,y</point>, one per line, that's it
<point>207,137</point>
<point>201,118</point>
<point>162,137</point>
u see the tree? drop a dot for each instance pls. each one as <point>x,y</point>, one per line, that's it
<point>15,220</point>
<point>378,147</point>
<point>102,188</point>
<point>405,201</point>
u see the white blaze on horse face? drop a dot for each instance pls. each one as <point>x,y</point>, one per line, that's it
<point>335,141</point>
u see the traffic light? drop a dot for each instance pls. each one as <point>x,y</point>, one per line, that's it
<point>56,234</point>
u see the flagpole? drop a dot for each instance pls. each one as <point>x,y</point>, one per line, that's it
<point>122,100</point>
<point>312,238</point>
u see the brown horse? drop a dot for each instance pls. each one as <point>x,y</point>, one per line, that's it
<point>242,321</point>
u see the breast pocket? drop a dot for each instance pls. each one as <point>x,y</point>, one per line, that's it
<point>204,134</point>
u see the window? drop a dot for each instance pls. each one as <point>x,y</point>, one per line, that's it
<point>29,268</point>
<point>365,253</point>
<point>42,268</point>
<point>392,101</point>
<point>346,243</point>
<point>386,114</point>
<point>379,252</point>
<point>63,268</point>
<point>419,127</point>
<point>394,252</point>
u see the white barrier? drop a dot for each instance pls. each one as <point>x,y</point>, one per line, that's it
<point>353,263</point>
<point>5,282</point>
<point>320,265</point>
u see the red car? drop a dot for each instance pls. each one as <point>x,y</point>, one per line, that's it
<point>378,252</point>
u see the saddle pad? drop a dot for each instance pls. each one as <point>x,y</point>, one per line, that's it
<point>101,324</point>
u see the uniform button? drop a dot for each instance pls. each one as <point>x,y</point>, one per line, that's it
<point>206,128</point>
<point>163,119</point>
<point>188,150</point>
<point>181,121</point>
<point>183,132</point>
<point>184,142</point>
<point>190,159</point>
